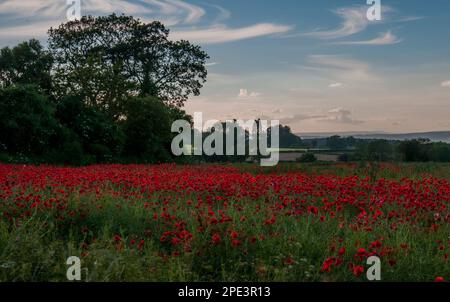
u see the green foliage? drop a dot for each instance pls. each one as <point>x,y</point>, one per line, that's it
<point>307,158</point>
<point>440,152</point>
<point>415,150</point>
<point>27,121</point>
<point>107,89</point>
<point>108,59</point>
<point>26,63</point>
<point>147,129</point>
<point>97,135</point>
<point>288,139</point>
<point>379,150</point>
<point>340,143</point>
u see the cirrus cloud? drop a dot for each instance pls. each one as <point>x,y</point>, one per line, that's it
<point>27,19</point>
<point>387,38</point>
<point>222,33</point>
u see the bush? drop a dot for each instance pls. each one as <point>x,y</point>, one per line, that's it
<point>345,157</point>
<point>307,158</point>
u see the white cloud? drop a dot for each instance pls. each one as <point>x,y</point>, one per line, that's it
<point>50,8</point>
<point>222,33</point>
<point>387,38</point>
<point>31,8</point>
<point>445,83</point>
<point>341,68</point>
<point>296,118</point>
<point>194,12</point>
<point>223,13</point>
<point>245,94</point>
<point>26,19</point>
<point>354,20</point>
<point>341,115</point>
<point>335,85</point>
<point>35,30</point>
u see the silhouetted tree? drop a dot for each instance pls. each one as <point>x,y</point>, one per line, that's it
<point>27,121</point>
<point>108,59</point>
<point>26,63</point>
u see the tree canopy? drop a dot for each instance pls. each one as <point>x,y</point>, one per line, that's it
<point>26,63</point>
<point>108,59</point>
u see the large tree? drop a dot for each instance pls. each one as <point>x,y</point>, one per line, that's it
<point>26,63</point>
<point>107,59</point>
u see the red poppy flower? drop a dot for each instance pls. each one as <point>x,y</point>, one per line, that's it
<point>358,270</point>
<point>235,243</point>
<point>216,239</point>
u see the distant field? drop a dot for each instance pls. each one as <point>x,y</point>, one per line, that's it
<point>242,222</point>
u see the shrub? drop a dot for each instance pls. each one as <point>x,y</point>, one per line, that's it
<point>307,158</point>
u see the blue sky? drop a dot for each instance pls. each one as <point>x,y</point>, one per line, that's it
<point>319,66</point>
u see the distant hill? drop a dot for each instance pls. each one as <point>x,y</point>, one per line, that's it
<point>437,136</point>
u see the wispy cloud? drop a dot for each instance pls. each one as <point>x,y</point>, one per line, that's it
<point>445,83</point>
<point>337,115</point>
<point>222,33</point>
<point>354,20</point>
<point>335,85</point>
<point>194,12</point>
<point>341,115</point>
<point>245,94</point>
<point>387,38</point>
<point>296,118</point>
<point>26,19</point>
<point>341,68</point>
<point>223,14</point>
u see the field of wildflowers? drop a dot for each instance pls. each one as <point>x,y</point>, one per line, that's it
<point>225,222</point>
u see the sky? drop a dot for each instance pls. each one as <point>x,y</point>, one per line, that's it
<point>317,66</point>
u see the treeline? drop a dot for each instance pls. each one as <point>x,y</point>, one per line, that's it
<point>106,89</point>
<point>417,150</point>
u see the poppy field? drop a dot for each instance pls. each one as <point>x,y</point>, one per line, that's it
<point>225,222</point>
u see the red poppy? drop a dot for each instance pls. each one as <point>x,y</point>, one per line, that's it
<point>216,239</point>
<point>358,270</point>
<point>235,243</point>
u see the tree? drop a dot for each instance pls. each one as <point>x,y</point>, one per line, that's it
<point>379,150</point>
<point>307,158</point>
<point>26,121</point>
<point>147,128</point>
<point>108,59</point>
<point>288,139</point>
<point>335,142</point>
<point>440,152</point>
<point>98,135</point>
<point>415,150</point>
<point>26,63</point>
